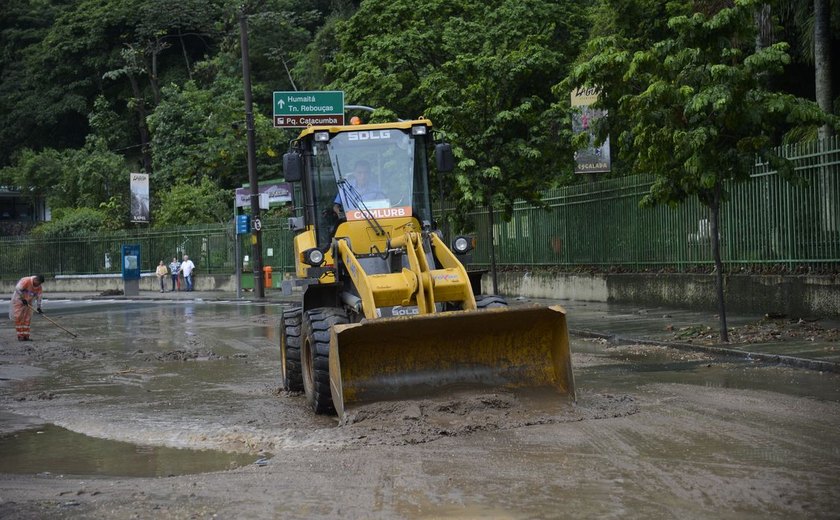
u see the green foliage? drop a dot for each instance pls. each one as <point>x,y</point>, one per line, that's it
<point>310,68</point>
<point>72,222</point>
<point>184,204</point>
<point>91,175</point>
<point>33,108</point>
<point>200,133</point>
<point>36,173</point>
<point>479,72</point>
<point>694,107</point>
<point>106,124</point>
<point>86,86</point>
<point>71,178</point>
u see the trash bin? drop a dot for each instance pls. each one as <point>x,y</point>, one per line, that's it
<point>267,276</point>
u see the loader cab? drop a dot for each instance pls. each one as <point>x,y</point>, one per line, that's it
<point>331,166</point>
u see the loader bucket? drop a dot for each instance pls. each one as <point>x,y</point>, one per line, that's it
<point>418,356</point>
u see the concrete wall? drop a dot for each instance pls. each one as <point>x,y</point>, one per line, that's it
<point>96,284</point>
<point>795,296</point>
<point>791,295</point>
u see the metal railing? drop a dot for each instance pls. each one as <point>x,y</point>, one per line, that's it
<point>211,248</point>
<point>767,223</point>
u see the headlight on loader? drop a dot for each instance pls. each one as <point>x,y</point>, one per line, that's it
<point>461,245</point>
<point>313,257</point>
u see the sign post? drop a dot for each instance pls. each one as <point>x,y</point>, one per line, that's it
<point>299,109</point>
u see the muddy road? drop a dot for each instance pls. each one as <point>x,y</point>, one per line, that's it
<point>655,433</point>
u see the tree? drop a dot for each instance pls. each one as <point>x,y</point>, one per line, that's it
<point>186,204</point>
<point>70,222</point>
<point>35,173</point>
<point>696,108</point>
<point>35,112</point>
<point>479,71</point>
<point>822,61</point>
<point>199,132</point>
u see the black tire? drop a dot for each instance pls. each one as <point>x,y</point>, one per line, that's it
<point>484,301</point>
<point>315,356</point>
<point>290,366</point>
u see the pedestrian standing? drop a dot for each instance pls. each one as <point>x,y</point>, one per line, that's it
<point>187,267</point>
<point>174,270</point>
<point>27,291</point>
<point>161,273</point>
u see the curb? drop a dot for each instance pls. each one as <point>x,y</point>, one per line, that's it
<point>797,362</point>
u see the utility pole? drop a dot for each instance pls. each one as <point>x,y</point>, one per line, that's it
<point>256,233</point>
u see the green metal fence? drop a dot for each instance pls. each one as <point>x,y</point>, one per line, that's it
<point>211,247</point>
<point>767,223</point>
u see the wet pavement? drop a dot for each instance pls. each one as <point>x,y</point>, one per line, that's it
<point>620,323</point>
<point>656,432</point>
<point>51,449</point>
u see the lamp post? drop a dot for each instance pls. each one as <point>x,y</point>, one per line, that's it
<point>256,234</point>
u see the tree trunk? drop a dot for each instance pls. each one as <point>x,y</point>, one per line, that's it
<point>153,72</point>
<point>141,123</point>
<point>715,214</point>
<point>824,97</point>
<point>184,51</point>
<point>764,26</point>
<point>822,60</point>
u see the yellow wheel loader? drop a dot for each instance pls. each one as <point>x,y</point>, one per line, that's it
<point>388,310</point>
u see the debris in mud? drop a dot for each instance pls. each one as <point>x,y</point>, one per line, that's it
<point>416,422</point>
<point>659,351</point>
<point>265,319</point>
<point>111,292</point>
<point>768,330</point>
<point>181,355</point>
<point>43,352</point>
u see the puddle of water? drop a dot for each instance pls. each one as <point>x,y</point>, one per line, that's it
<point>60,451</point>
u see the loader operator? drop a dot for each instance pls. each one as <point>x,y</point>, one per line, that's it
<point>357,189</point>
<point>27,291</point>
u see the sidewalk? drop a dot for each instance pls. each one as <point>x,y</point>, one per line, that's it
<point>623,324</point>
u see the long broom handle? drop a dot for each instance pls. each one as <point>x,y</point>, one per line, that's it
<point>53,321</point>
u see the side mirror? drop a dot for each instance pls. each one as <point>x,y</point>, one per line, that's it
<point>444,160</point>
<point>292,166</point>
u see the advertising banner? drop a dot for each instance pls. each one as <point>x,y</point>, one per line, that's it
<point>139,197</point>
<point>592,159</point>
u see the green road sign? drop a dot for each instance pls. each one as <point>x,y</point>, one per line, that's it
<point>305,108</point>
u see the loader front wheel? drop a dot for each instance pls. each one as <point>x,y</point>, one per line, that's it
<point>315,356</point>
<point>290,350</point>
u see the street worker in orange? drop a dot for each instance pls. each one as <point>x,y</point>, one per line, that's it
<point>27,292</point>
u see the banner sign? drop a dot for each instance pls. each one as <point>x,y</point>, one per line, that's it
<point>277,194</point>
<point>592,159</point>
<point>139,197</point>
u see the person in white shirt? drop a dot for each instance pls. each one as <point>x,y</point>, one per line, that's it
<point>187,268</point>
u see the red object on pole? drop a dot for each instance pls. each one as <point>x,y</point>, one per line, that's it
<point>267,276</point>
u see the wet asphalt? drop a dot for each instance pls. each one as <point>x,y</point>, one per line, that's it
<point>617,323</point>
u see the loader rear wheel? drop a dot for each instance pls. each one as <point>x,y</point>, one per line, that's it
<point>315,356</point>
<point>484,301</point>
<point>290,350</point>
